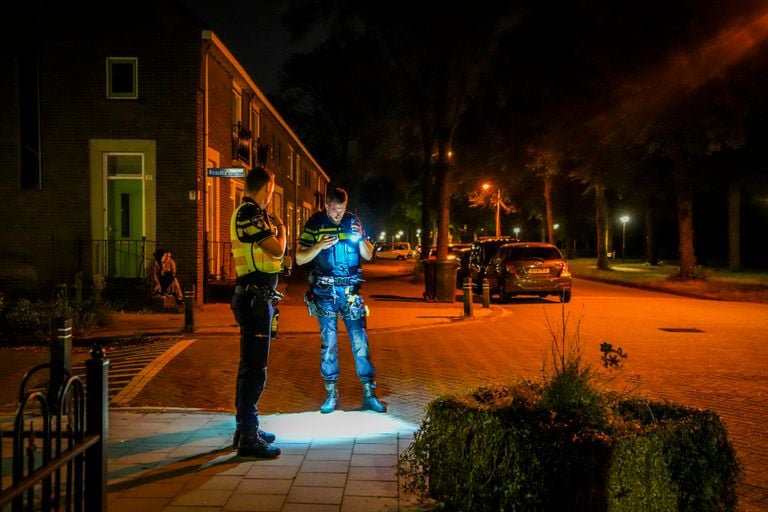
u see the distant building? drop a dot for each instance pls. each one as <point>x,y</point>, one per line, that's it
<point>109,129</point>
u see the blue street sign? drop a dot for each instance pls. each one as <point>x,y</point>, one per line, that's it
<point>226,172</point>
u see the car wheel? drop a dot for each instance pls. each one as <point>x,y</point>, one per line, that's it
<point>400,258</point>
<point>565,296</point>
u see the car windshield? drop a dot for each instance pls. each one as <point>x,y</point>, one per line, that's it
<point>530,253</point>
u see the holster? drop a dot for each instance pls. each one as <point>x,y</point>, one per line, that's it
<point>312,307</point>
<point>259,297</point>
<point>355,308</point>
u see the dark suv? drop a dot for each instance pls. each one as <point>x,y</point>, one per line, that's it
<point>480,254</point>
<point>529,268</point>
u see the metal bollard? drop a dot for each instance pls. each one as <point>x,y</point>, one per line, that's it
<point>486,294</point>
<point>467,286</point>
<point>189,309</point>
<point>60,360</point>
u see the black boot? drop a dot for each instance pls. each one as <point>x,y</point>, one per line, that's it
<point>370,402</point>
<point>333,397</point>
<point>251,444</point>
<point>267,436</point>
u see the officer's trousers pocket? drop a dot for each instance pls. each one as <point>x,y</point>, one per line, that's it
<point>237,304</point>
<point>259,305</point>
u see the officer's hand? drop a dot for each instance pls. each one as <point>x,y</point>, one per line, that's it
<point>327,241</point>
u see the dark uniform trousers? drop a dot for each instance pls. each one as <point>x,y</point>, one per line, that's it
<point>253,311</point>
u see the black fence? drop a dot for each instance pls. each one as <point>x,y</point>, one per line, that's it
<point>58,458</point>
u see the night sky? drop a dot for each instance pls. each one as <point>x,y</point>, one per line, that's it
<point>253,33</point>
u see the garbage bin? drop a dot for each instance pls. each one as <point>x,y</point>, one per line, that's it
<point>445,279</point>
<point>430,279</point>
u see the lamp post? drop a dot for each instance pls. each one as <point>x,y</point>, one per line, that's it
<point>486,186</point>
<point>516,231</point>
<point>624,219</point>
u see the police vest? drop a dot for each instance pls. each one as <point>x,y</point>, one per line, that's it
<point>343,259</point>
<point>248,256</point>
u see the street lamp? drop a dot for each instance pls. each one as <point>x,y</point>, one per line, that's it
<point>486,186</point>
<point>624,219</point>
<point>516,231</point>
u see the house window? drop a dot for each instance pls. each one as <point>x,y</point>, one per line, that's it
<point>255,124</point>
<point>122,78</point>
<point>237,107</point>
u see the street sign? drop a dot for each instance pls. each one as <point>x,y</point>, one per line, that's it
<point>226,172</point>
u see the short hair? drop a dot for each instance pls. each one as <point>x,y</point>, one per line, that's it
<point>337,195</point>
<point>257,178</point>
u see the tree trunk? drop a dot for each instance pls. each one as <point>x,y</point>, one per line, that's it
<point>684,203</point>
<point>734,226</point>
<point>601,224</point>
<point>446,269</point>
<point>426,199</point>
<point>548,207</point>
<point>649,229</point>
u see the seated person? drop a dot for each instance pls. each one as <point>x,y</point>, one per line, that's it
<point>164,280</point>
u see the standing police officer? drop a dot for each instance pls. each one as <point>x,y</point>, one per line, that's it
<point>258,245</point>
<point>334,239</point>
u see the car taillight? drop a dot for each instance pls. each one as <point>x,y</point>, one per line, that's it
<point>565,271</point>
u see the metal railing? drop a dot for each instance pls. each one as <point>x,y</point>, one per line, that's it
<point>107,258</point>
<point>59,461</point>
<point>220,266</point>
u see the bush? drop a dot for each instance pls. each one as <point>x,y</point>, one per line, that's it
<point>564,444</point>
<point>23,319</point>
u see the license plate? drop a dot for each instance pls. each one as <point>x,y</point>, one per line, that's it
<point>538,270</point>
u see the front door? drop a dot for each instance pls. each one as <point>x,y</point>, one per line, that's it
<point>125,215</point>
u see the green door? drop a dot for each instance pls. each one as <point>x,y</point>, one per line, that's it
<point>125,229</point>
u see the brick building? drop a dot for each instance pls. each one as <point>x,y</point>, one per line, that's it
<point>109,134</point>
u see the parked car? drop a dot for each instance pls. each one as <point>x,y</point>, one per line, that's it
<point>480,254</point>
<point>397,251</point>
<point>454,251</point>
<point>529,268</point>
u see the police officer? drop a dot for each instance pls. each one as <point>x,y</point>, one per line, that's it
<point>335,241</point>
<point>258,244</point>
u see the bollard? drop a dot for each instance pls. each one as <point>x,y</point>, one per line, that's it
<point>60,360</point>
<point>96,424</point>
<point>467,286</point>
<point>189,309</point>
<point>486,293</point>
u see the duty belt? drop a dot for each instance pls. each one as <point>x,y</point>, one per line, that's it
<point>268,292</point>
<point>337,281</point>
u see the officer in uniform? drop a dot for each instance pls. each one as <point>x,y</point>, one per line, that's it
<point>258,245</point>
<point>335,242</point>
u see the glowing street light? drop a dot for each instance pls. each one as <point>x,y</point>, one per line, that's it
<point>624,219</point>
<point>516,231</point>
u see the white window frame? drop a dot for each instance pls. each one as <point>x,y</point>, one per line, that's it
<point>132,95</point>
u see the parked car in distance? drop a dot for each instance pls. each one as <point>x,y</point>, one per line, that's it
<point>397,251</point>
<point>480,254</point>
<point>454,251</point>
<point>529,268</point>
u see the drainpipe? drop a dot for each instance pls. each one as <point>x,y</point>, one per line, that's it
<point>205,163</point>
